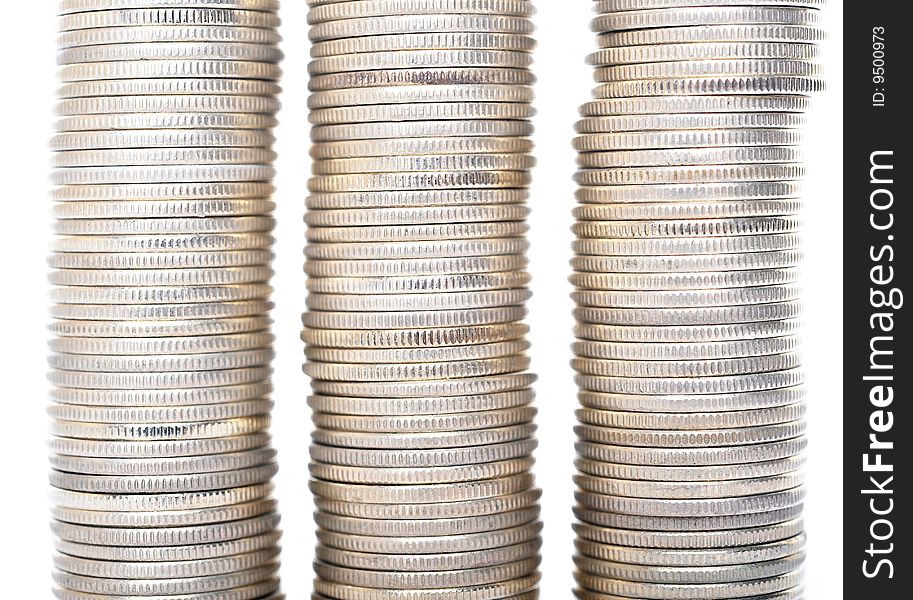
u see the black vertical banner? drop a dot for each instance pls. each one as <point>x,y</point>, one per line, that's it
<point>877,270</point>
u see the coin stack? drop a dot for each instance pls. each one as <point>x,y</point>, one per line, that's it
<point>161,351</point>
<point>691,431</point>
<point>416,263</point>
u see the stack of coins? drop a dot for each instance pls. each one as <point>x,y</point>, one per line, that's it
<point>691,428</point>
<point>416,264</point>
<point>161,351</point>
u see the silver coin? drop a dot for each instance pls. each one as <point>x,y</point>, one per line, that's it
<point>605,6</point>
<point>168,15</point>
<point>414,198</point>
<point>697,420</point>
<point>201,277</point>
<point>167,33</point>
<point>379,131</point>
<point>705,473</point>
<point>122,484</point>
<point>170,518</point>
<point>694,228</point>
<point>690,540</point>
<point>147,125</point>
<point>693,104</point>
<point>391,581</point>
<point>725,32</point>
<point>171,51</point>
<point>418,76</point>
<point>740,589</point>
<point>128,329</point>
<point>423,41</point>
<point>689,316</point>
<point>162,362</point>
<point>419,406</point>
<point>458,423</point>
<point>704,15</point>
<point>191,136</point>
<point>690,121</point>
<point>429,562</point>
<point>429,249</point>
<point>85,295</point>
<point>162,208</point>
<point>435,58</point>
<point>426,527</point>
<point>165,432</point>
<point>167,104</point>
<point>406,233</point>
<point>368,103</point>
<point>148,157</point>
<point>167,86</point>
<point>683,280</point>
<point>685,139</point>
<point>416,371</point>
<point>435,388</point>
<point>267,590</point>
<point>418,319</point>
<point>173,570</point>
<point>686,211</point>
<point>686,524</point>
<point>600,261</point>
<point>159,449</point>
<point>702,51</point>
<point>76,6</point>
<point>340,11</point>
<point>683,403</point>
<point>192,585</point>
<point>141,69</point>
<point>689,156</point>
<point>687,333</point>
<point>418,284</point>
<point>424,458</point>
<point>431,545</point>
<point>164,467</point>
<point>451,162</point>
<point>105,536</point>
<point>391,25</point>
<point>130,175</point>
<point>695,457</point>
<point>773,84</point>
<point>681,193</point>
<point>169,345</point>
<point>692,439</point>
<point>419,146</point>
<point>522,589</point>
<point>708,68</point>
<point>424,440</point>
<point>172,191</point>
<point>416,355</point>
<point>194,552</point>
<point>677,490</point>
<point>413,338</point>
<point>450,510</point>
<point>159,414</point>
<point>161,504</point>
<point>422,494</point>
<point>686,298</point>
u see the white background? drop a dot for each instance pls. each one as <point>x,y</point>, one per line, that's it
<point>564,82</point>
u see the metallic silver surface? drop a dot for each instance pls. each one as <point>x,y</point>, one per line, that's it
<point>161,458</point>
<point>691,428</point>
<point>416,267</point>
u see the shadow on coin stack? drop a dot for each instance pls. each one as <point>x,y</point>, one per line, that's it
<point>417,280</point>
<point>161,350</point>
<point>691,431</point>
